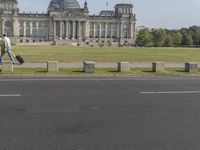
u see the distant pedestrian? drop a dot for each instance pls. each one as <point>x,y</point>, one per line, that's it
<point>6,48</point>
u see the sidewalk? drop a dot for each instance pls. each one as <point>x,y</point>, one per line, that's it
<point>98,65</point>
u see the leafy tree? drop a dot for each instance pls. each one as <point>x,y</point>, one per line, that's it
<point>159,37</point>
<point>185,31</point>
<point>165,37</point>
<point>168,41</point>
<point>187,40</point>
<point>176,38</point>
<point>195,32</point>
<point>144,37</point>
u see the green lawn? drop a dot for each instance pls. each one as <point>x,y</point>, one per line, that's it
<point>106,54</point>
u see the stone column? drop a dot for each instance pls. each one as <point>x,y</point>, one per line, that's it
<point>61,29</point>
<point>85,31</point>
<point>15,28</point>
<point>24,29</point>
<point>94,30</point>
<point>73,30</point>
<point>99,30</point>
<point>131,10</point>
<point>37,27</point>
<point>82,30</point>
<point>70,30</point>
<point>3,26</point>
<point>67,30</point>
<point>132,29</point>
<point>118,30</point>
<point>54,29</point>
<point>121,30</point>
<point>31,28</point>
<point>106,30</point>
<point>79,30</point>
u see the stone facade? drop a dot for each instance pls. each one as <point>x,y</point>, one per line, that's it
<point>66,22</point>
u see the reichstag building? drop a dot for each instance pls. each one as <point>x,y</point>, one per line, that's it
<point>65,21</point>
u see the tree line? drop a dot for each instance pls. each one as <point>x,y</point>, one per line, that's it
<point>185,37</point>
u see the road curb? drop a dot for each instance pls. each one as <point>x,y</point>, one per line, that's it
<point>4,76</point>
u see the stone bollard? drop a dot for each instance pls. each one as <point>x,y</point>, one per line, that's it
<point>158,67</point>
<point>89,66</point>
<point>124,67</point>
<point>7,67</point>
<point>52,66</point>
<point>191,67</point>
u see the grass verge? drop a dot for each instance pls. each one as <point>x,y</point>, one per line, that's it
<point>99,71</point>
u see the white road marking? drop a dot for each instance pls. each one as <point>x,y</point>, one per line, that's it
<point>172,92</point>
<point>10,95</point>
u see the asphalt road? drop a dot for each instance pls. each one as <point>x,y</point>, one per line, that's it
<point>100,114</point>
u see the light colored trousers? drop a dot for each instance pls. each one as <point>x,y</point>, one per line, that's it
<point>10,54</point>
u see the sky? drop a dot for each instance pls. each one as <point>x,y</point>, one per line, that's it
<point>171,14</point>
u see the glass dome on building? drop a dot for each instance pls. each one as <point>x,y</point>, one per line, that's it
<point>64,4</point>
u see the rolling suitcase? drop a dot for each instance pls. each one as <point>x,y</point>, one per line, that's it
<point>20,59</point>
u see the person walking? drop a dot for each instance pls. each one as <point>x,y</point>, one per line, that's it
<point>6,47</point>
